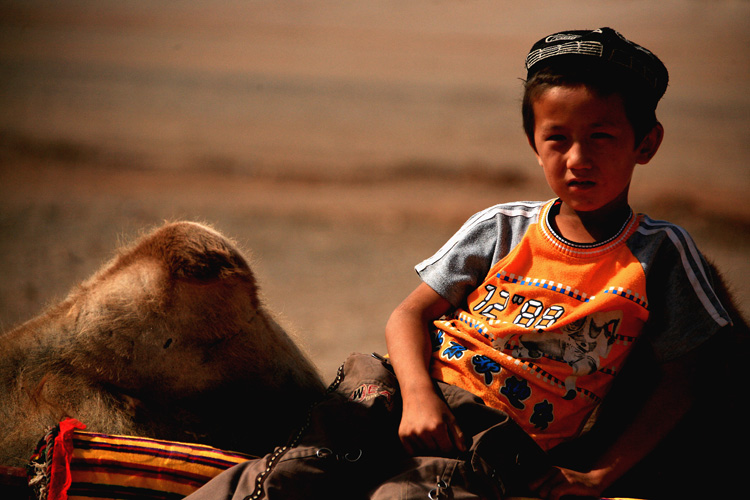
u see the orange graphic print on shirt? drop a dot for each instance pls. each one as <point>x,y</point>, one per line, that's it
<point>543,337</point>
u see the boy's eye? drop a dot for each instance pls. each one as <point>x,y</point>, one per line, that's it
<point>555,137</point>
<point>601,135</point>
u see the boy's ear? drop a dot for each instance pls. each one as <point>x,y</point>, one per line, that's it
<point>650,144</point>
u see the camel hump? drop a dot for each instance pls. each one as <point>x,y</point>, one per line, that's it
<point>193,251</point>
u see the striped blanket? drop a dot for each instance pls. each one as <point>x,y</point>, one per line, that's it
<point>71,463</point>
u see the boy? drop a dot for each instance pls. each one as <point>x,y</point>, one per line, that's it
<point>544,301</point>
<point>528,312</point>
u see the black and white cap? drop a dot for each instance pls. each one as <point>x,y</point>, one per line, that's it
<point>607,46</point>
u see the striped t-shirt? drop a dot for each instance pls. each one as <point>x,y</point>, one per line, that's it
<point>542,325</point>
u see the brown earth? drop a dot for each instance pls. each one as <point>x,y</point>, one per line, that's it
<point>338,142</point>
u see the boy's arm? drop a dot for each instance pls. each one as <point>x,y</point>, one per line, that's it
<point>427,425</point>
<point>671,399</point>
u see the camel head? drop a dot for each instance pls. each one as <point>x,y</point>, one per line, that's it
<point>176,313</point>
<point>159,342</point>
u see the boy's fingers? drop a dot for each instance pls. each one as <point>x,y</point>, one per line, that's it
<point>544,484</point>
<point>407,447</point>
<point>444,441</point>
<point>449,439</point>
<point>457,437</point>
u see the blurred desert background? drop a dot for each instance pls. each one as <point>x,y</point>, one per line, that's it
<point>338,142</point>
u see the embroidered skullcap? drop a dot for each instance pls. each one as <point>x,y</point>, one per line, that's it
<point>606,46</point>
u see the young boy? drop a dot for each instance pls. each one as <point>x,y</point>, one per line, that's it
<point>535,306</point>
<point>528,312</point>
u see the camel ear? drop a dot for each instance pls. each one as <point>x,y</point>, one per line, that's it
<point>650,144</point>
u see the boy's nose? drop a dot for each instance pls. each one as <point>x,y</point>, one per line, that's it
<point>578,156</point>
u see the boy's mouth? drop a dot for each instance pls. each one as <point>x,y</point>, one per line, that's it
<point>581,184</point>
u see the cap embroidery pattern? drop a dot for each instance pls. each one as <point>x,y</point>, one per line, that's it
<point>584,48</point>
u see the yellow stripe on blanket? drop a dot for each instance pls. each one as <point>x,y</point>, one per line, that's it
<point>82,465</point>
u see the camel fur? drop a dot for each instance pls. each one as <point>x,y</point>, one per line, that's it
<point>169,340</point>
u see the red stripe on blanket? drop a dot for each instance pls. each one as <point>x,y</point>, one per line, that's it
<point>157,443</point>
<point>71,464</point>
<point>155,452</point>
<point>97,465</point>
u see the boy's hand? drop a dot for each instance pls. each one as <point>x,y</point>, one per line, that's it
<point>670,399</point>
<point>428,427</point>
<point>563,482</point>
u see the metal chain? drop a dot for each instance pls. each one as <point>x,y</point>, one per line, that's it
<point>279,452</point>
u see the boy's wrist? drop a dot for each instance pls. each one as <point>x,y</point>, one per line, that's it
<point>603,477</point>
<point>423,385</point>
<point>418,391</point>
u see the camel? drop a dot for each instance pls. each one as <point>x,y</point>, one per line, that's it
<point>171,340</point>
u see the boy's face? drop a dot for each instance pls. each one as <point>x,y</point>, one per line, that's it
<point>584,143</point>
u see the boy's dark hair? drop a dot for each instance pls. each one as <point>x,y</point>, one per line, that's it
<point>640,108</point>
<point>603,61</point>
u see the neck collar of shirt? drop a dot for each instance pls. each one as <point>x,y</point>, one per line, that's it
<point>583,249</point>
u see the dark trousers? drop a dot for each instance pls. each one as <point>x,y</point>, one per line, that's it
<point>349,448</point>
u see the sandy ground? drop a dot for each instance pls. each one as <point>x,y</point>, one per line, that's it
<point>338,142</point>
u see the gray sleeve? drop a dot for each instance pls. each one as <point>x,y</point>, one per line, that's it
<point>684,310</point>
<point>462,264</point>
